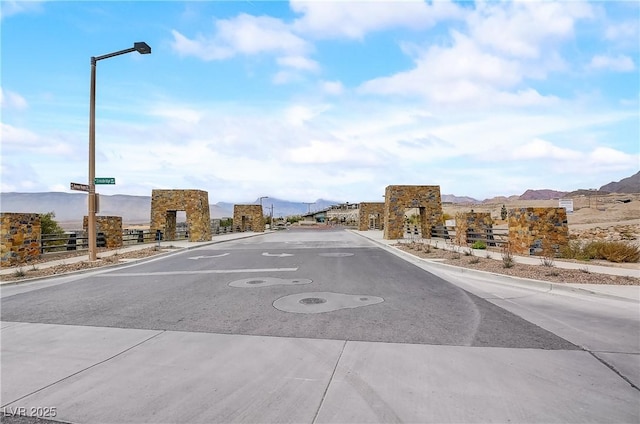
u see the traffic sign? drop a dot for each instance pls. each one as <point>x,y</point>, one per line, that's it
<point>104,180</point>
<point>80,187</point>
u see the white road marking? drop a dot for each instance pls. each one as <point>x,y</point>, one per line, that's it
<point>214,256</point>
<point>278,255</point>
<point>207,271</point>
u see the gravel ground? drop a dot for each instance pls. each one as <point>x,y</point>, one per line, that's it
<point>542,272</point>
<point>33,271</point>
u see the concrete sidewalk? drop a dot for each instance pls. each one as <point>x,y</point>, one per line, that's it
<point>621,291</point>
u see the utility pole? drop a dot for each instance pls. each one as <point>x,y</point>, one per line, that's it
<point>271,218</point>
<point>309,204</point>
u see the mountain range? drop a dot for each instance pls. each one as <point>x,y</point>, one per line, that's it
<point>71,207</point>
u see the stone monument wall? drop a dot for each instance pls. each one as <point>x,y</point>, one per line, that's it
<point>110,227</point>
<point>20,236</point>
<point>538,231</point>
<point>166,203</point>
<point>472,225</point>
<point>368,209</point>
<point>248,218</point>
<point>398,198</point>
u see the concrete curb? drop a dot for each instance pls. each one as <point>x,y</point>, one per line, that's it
<point>543,286</point>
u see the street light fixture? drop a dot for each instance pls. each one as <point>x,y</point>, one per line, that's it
<point>142,48</point>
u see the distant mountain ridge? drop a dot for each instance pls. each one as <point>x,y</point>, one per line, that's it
<point>72,207</point>
<point>137,209</point>
<point>626,185</point>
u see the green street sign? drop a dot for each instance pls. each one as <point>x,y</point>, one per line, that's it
<point>103,180</point>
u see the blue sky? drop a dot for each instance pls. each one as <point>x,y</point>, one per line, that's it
<point>334,100</point>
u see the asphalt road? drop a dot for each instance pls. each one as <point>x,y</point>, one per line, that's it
<point>312,326</point>
<point>191,291</point>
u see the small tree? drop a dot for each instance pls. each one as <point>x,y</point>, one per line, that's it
<point>503,212</point>
<point>49,225</point>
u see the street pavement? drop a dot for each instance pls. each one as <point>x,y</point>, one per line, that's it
<point>212,334</point>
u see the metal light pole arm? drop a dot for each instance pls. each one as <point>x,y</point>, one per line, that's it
<point>108,55</point>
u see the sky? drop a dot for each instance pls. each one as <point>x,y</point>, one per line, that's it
<point>334,100</point>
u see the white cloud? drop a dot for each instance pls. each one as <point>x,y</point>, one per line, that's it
<point>622,31</point>
<point>26,141</point>
<point>332,87</point>
<point>11,100</point>
<point>298,62</point>
<point>242,35</point>
<point>186,114</point>
<point>606,156</point>
<point>350,19</point>
<point>541,149</point>
<point>618,63</point>
<point>461,74</point>
<point>522,29</point>
<point>14,7</point>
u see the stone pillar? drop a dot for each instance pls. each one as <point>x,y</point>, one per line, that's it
<point>535,231</point>
<point>20,237</point>
<point>110,226</point>
<point>165,204</point>
<point>472,225</point>
<point>402,197</point>
<point>368,209</point>
<point>248,217</point>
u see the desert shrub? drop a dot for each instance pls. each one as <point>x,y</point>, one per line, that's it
<point>616,251</point>
<point>479,245</point>
<point>507,257</point>
<point>613,251</point>
<point>474,260</point>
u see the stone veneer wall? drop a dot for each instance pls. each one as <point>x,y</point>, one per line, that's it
<point>478,223</point>
<point>166,203</point>
<point>538,230</point>
<point>401,197</point>
<point>20,236</point>
<point>367,209</point>
<point>248,217</point>
<point>110,226</point>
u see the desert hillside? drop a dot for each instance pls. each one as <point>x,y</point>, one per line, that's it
<point>597,217</point>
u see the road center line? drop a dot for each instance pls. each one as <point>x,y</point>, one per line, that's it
<point>207,271</point>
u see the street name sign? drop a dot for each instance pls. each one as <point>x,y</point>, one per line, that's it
<point>104,180</point>
<point>80,187</point>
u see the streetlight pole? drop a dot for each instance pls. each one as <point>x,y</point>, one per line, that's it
<point>142,48</point>
<point>262,210</point>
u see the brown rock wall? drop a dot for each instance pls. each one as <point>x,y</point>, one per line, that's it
<point>538,231</point>
<point>248,218</point>
<point>471,226</point>
<point>368,209</point>
<point>166,203</point>
<point>20,237</point>
<point>398,198</point>
<point>110,226</point>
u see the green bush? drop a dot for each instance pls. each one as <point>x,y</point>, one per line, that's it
<point>479,245</point>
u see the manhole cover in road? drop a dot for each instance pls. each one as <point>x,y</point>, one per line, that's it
<point>319,302</point>
<point>312,300</point>
<point>336,255</point>
<point>269,281</point>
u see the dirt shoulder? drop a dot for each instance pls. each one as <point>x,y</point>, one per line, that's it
<point>541,272</point>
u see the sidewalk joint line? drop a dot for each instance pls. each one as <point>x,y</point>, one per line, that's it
<point>84,369</point>
<point>612,368</point>
<point>324,395</point>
